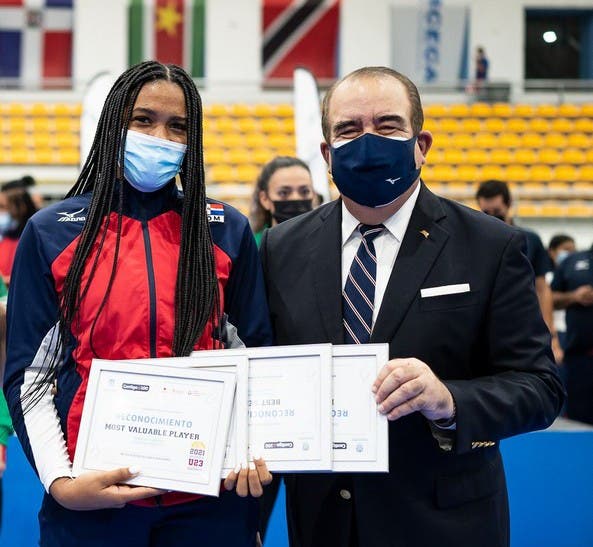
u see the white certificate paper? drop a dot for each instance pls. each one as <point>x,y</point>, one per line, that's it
<point>171,423</point>
<point>290,405</point>
<point>360,439</point>
<point>236,447</point>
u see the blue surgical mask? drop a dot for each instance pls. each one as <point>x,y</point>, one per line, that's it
<point>561,256</point>
<point>373,170</point>
<point>151,162</point>
<point>5,222</point>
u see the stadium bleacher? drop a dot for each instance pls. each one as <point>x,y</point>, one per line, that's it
<point>544,151</point>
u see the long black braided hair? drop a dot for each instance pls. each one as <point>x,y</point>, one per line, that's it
<point>196,293</point>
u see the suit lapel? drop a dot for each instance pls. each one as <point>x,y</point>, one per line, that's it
<point>326,262</point>
<point>416,256</point>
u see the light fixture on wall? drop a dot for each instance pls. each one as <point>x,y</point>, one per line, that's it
<point>549,36</point>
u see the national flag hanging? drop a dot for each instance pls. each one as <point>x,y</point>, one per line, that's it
<point>300,33</point>
<point>169,31</point>
<point>36,42</point>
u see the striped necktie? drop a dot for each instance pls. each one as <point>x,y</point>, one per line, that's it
<point>358,296</point>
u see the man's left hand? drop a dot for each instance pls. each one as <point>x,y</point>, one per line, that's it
<point>404,386</point>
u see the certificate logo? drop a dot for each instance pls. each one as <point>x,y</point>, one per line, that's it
<point>197,455</point>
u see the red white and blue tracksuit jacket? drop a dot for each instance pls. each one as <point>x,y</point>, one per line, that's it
<point>137,320</point>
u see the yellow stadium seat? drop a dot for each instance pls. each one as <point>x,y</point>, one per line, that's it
<point>283,110</point>
<point>436,155</point>
<point>579,209</point>
<point>215,156</point>
<point>439,173</point>
<point>546,110</point>
<point>42,140</point>
<point>532,140</point>
<point>286,150</point>
<point>582,188</point>
<point>450,125</point>
<point>19,156</point>
<point>68,156</point>
<point>280,141</point>
<point>432,124</point>
<point>583,125</point>
<point>501,156</point>
<point>517,125</point>
<point>566,173</point>
<point>552,209</point>
<point>569,110</point>
<point>217,110</point>
<point>541,173</point>
<point>549,156</point>
<point>525,156</point>
<point>531,189</point>
<point>477,157</point>
<point>225,125</point>
<point>43,156</point>
<point>539,125</point>
<point>17,140</point>
<point>455,188</point>
<point>579,140</point>
<point>231,141</point>
<point>239,156</point>
<point>587,110</point>
<point>64,110</point>
<point>467,173</point>
<point>17,109</point>
<point>435,110</point>
<point>493,172</point>
<point>63,125</point>
<point>502,110</point>
<point>453,156</point>
<point>480,110</point>
<point>562,125</point>
<point>263,155</point>
<point>221,174</point>
<point>66,140</point>
<point>555,140</point>
<point>573,156</point>
<point>494,125</point>
<point>247,173</point>
<point>517,173</point>
<point>509,140</point>
<point>18,125</point>
<point>40,125</point>
<point>485,140</point>
<point>471,125</point>
<point>586,173</point>
<point>523,111</point>
<point>263,110</point>
<point>528,210</point>
<point>462,140</point>
<point>40,110</point>
<point>589,156</point>
<point>255,140</point>
<point>248,125</point>
<point>287,125</point>
<point>560,187</point>
<point>271,125</point>
<point>241,110</point>
<point>459,110</point>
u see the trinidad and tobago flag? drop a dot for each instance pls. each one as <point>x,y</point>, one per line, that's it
<point>36,42</point>
<point>169,31</point>
<point>300,33</point>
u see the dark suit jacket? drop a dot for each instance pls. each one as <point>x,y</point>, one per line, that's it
<point>490,346</point>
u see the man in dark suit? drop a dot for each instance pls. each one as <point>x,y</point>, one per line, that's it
<point>453,296</point>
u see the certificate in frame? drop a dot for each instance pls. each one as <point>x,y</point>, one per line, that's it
<point>360,431</point>
<point>171,423</point>
<point>236,449</point>
<point>290,422</point>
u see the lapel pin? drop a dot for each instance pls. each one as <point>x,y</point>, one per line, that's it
<point>424,233</point>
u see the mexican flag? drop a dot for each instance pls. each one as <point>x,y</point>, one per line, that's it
<point>169,31</point>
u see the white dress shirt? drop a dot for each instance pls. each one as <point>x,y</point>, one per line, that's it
<point>387,244</point>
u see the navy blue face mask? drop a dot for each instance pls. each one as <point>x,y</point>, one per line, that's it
<point>373,170</point>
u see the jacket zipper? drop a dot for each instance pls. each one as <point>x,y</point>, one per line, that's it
<point>151,287</point>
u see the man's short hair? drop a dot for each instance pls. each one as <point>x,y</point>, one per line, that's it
<point>492,188</point>
<point>559,239</point>
<point>417,116</point>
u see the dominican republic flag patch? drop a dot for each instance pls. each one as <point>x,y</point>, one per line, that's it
<point>215,212</point>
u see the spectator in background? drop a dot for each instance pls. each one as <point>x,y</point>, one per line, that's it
<point>482,65</point>
<point>284,189</point>
<point>494,199</point>
<point>572,290</point>
<point>16,207</point>
<point>26,182</point>
<point>560,247</point>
